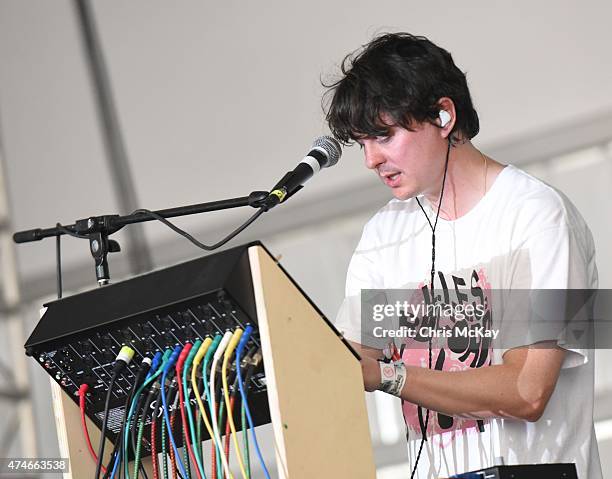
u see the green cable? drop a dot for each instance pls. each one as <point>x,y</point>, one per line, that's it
<point>220,421</point>
<point>151,378</point>
<point>164,452</point>
<point>187,392</point>
<point>138,446</point>
<point>245,441</point>
<point>186,456</point>
<point>209,354</point>
<point>199,433</point>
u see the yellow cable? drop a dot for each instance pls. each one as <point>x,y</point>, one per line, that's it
<point>226,357</point>
<point>194,383</point>
<point>227,337</point>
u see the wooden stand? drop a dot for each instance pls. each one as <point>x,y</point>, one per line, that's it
<point>315,387</point>
<point>315,390</point>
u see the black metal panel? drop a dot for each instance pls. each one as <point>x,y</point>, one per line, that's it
<point>524,471</point>
<point>148,292</point>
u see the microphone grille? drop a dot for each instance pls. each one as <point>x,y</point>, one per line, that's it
<point>331,147</point>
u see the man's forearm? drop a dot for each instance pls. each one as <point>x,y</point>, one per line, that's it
<point>519,388</point>
<point>475,393</point>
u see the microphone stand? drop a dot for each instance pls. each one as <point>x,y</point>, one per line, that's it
<point>97,229</point>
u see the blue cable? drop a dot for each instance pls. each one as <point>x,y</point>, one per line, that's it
<point>171,361</point>
<point>245,337</point>
<point>116,465</point>
<point>157,359</point>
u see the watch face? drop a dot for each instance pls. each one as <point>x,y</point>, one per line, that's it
<point>388,371</point>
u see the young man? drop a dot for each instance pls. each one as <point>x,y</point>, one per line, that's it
<point>486,227</point>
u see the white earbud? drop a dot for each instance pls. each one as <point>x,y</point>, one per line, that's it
<point>444,118</point>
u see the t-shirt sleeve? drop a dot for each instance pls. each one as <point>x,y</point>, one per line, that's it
<point>552,275</point>
<point>362,274</point>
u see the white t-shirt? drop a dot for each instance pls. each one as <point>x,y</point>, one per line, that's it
<point>521,234</point>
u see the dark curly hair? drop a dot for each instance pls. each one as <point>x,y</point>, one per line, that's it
<point>401,77</point>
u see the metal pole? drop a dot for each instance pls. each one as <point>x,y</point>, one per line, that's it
<point>18,381</point>
<point>138,251</point>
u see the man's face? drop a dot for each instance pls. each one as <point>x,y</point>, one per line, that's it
<point>411,163</point>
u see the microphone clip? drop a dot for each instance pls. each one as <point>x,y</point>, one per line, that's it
<point>280,193</point>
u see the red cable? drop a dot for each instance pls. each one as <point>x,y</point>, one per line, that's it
<point>179,367</point>
<point>154,446</point>
<point>82,392</point>
<point>172,456</point>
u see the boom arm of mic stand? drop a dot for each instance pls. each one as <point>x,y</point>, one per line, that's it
<point>112,223</point>
<point>98,228</point>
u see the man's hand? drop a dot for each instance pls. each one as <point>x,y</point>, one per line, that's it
<point>371,373</point>
<point>369,365</point>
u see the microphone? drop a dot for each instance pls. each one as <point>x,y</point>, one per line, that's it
<point>325,152</point>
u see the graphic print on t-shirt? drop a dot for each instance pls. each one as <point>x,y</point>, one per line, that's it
<point>454,353</point>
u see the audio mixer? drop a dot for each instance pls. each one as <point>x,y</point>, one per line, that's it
<point>79,337</point>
